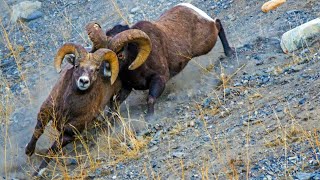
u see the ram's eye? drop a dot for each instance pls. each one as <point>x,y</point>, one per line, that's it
<point>76,66</point>
<point>98,69</point>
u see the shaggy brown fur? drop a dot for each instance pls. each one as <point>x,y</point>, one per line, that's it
<point>71,109</point>
<point>180,34</point>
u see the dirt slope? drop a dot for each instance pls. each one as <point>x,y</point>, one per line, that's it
<point>252,116</point>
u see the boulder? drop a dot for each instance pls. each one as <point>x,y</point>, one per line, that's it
<point>26,10</point>
<point>301,36</point>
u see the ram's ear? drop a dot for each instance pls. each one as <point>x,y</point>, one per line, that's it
<point>106,70</point>
<point>70,58</point>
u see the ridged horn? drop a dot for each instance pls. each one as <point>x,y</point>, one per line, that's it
<point>110,57</point>
<point>132,36</point>
<point>96,35</point>
<point>68,48</point>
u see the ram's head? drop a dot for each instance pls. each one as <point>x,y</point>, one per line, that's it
<point>118,41</point>
<point>86,66</point>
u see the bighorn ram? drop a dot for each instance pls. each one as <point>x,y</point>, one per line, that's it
<point>78,97</point>
<point>181,33</point>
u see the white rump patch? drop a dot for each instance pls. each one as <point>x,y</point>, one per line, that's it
<point>199,11</point>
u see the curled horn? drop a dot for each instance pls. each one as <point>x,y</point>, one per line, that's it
<point>97,36</point>
<point>133,36</point>
<point>110,57</point>
<point>68,48</point>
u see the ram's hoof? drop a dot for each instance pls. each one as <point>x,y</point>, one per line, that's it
<point>230,52</point>
<point>29,149</point>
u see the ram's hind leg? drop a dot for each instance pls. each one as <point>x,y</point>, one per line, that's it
<point>228,51</point>
<point>65,138</point>
<point>42,121</point>
<point>156,87</point>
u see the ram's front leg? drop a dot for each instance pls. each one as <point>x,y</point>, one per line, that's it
<point>123,94</point>
<point>156,87</point>
<point>65,138</point>
<point>42,120</point>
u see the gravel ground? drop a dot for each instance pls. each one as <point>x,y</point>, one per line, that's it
<point>262,124</point>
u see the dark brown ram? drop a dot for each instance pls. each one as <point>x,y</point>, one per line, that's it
<point>181,33</point>
<point>78,97</point>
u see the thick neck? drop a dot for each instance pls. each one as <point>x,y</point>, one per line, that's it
<point>131,52</point>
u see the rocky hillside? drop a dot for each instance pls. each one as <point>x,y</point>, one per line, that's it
<point>252,116</point>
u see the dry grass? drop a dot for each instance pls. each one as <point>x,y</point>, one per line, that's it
<point>104,145</point>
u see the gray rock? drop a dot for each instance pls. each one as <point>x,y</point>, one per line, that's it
<point>135,9</point>
<point>301,35</point>
<point>231,17</point>
<point>179,154</point>
<point>71,161</point>
<point>4,10</point>
<point>307,176</point>
<point>172,97</point>
<point>24,10</point>
<point>227,91</point>
<point>302,101</point>
<point>154,164</point>
<point>33,16</point>
<point>153,149</point>
<point>73,2</point>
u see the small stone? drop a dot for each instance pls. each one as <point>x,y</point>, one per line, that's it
<point>227,91</point>
<point>73,2</point>
<point>231,17</point>
<point>206,102</point>
<point>179,154</point>
<point>135,9</point>
<point>302,101</point>
<point>293,159</point>
<point>259,63</point>
<point>153,149</point>
<point>306,176</point>
<point>269,177</point>
<point>172,96</point>
<point>91,175</point>
<point>251,121</point>
<point>191,124</point>
<point>297,68</point>
<point>33,16</point>
<point>71,161</point>
<point>154,164</point>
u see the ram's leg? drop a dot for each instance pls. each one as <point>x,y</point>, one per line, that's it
<point>115,103</point>
<point>156,87</point>
<point>64,139</point>
<point>228,51</point>
<point>42,121</point>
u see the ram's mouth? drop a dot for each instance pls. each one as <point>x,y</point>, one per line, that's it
<point>83,87</point>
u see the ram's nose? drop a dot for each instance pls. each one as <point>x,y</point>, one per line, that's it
<point>83,82</point>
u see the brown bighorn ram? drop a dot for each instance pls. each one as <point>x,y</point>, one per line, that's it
<point>181,33</point>
<point>78,97</point>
